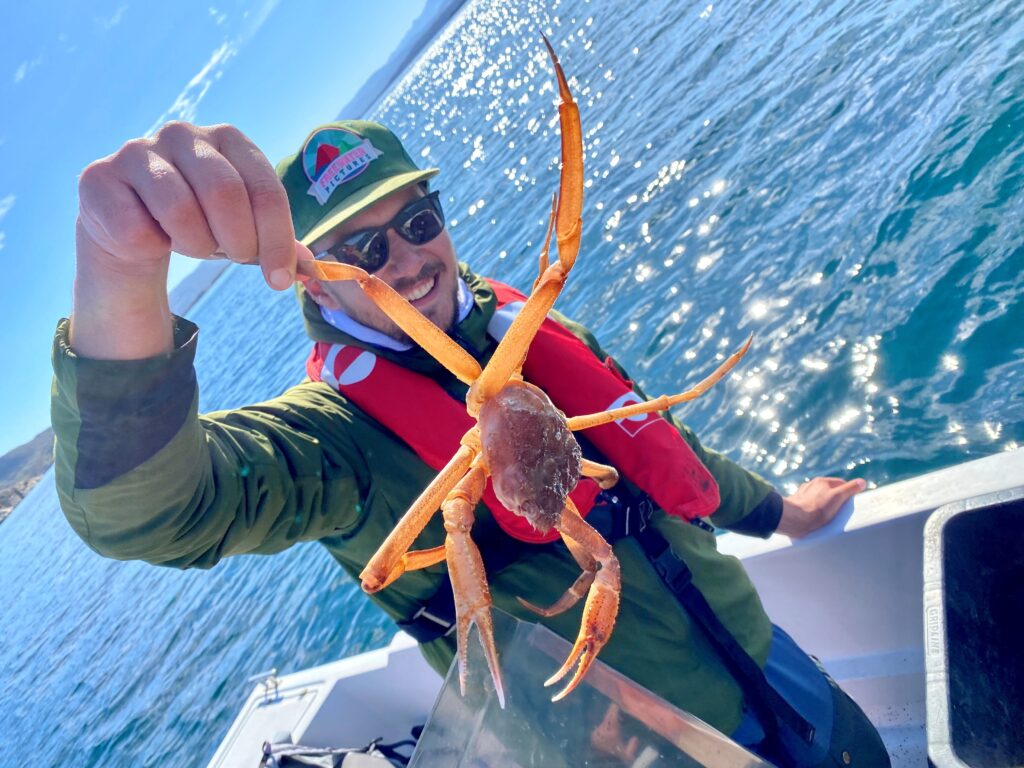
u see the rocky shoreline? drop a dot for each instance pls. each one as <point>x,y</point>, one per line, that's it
<point>21,468</point>
<point>11,495</point>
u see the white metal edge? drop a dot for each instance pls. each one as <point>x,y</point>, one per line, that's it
<point>998,472</point>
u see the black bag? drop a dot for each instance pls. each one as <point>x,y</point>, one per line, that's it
<point>373,755</point>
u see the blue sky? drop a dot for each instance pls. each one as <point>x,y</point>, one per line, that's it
<point>77,79</point>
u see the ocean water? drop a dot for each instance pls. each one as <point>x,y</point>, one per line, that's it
<point>843,180</point>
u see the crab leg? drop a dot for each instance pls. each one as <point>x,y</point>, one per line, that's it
<point>393,558</point>
<point>605,476</point>
<point>406,316</point>
<point>579,587</point>
<point>512,349</point>
<point>602,604</point>
<point>542,261</point>
<point>570,189</point>
<point>659,403</point>
<point>469,579</point>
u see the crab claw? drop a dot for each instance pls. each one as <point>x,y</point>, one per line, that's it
<point>599,615</point>
<point>481,616</point>
<point>469,579</point>
<point>601,608</point>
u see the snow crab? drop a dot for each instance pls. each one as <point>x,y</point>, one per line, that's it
<point>516,422</point>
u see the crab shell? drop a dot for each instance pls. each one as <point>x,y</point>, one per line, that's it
<point>533,458</point>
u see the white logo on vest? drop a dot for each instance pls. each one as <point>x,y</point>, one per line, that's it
<point>346,365</point>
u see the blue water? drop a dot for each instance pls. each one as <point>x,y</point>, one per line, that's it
<point>844,180</point>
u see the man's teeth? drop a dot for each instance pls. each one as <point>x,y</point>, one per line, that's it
<point>419,291</point>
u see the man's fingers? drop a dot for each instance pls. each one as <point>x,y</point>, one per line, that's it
<point>849,488</point>
<point>169,199</point>
<point>277,249</point>
<point>201,191</point>
<point>115,218</point>
<point>221,195</point>
<point>838,495</point>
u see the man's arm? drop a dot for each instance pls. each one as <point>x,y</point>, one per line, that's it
<point>142,476</point>
<point>139,474</point>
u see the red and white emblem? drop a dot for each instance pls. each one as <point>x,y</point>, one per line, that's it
<point>632,425</point>
<point>346,365</point>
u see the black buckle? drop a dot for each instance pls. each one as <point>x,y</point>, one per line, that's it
<point>615,516</point>
<point>674,573</point>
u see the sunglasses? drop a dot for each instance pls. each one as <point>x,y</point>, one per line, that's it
<point>418,223</point>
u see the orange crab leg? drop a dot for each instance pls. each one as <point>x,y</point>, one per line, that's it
<point>605,476</point>
<point>662,403</point>
<point>542,260</point>
<point>577,590</point>
<point>602,606</point>
<point>512,349</point>
<point>469,579</point>
<point>406,316</point>
<point>570,190</point>
<point>392,558</point>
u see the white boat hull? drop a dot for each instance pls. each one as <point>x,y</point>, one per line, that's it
<point>852,594</point>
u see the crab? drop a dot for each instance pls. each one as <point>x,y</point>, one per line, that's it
<point>521,441</point>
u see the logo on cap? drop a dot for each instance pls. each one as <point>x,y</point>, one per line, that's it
<point>333,156</point>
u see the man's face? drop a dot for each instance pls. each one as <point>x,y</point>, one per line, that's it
<point>425,274</point>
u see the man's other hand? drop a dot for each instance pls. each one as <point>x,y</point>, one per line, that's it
<point>815,503</point>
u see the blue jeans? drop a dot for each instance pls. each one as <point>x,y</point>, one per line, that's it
<point>843,735</point>
<point>801,682</point>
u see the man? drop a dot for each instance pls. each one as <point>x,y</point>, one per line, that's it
<point>142,476</point>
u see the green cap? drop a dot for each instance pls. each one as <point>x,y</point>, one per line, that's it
<point>344,168</point>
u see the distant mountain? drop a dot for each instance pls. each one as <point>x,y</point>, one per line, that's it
<point>28,460</point>
<point>21,468</point>
<point>436,15</point>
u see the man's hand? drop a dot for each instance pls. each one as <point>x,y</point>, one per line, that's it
<point>815,503</point>
<point>200,191</point>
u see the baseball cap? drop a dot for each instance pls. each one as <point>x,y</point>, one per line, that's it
<point>342,169</point>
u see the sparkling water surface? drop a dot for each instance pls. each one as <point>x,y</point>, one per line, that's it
<point>843,180</point>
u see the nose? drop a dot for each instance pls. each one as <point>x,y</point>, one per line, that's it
<point>405,260</point>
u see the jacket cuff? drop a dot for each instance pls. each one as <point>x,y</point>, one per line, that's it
<point>119,413</point>
<point>763,519</point>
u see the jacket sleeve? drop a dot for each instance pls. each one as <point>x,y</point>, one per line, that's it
<point>140,475</point>
<point>748,503</point>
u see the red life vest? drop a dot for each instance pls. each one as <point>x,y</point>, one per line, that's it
<point>646,449</point>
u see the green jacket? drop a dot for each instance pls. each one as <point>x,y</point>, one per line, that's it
<point>142,476</point>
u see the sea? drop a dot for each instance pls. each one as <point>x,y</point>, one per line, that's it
<point>843,180</point>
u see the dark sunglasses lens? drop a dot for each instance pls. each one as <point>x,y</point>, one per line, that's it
<point>369,252</point>
<point>422,227</point>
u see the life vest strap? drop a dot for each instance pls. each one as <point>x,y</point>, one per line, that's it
<point>616,517</point>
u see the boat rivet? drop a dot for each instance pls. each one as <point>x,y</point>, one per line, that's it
<point>846,757</point>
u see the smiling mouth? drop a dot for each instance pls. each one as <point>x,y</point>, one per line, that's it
<point>420,290</point>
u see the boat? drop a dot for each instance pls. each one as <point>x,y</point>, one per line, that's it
<point>852,594</point>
